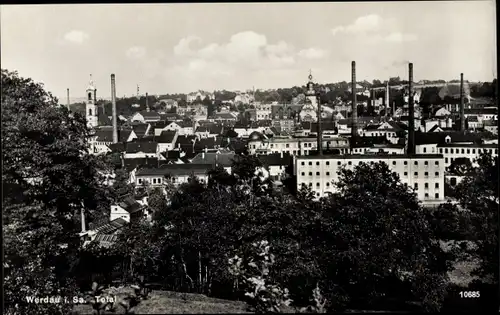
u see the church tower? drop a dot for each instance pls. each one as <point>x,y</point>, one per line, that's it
<point>91,107</point>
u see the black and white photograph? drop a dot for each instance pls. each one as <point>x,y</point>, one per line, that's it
<point>267,157</point>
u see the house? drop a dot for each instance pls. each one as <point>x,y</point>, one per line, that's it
<point>166,140</point>
<point>174,173</point>
<point>168,103</point>
<point>187,127</point>
<point>442,113</point>
<point>225,117</point>
<point>128,209</point>
<point>141,150</point>
<point>171,116</point>
<point>276,164</point>
<point>202,132</point>
<point>186,143</point>
<point>210,143</point>
<point>103,137</point>
<point>491,126</point>
<point>140,130</point>
<point>482,113</point>
<point>391,130</point>
<point>105,233</point>
<point>225,160</point>
<point>473,122</point>
<point>146,117</point>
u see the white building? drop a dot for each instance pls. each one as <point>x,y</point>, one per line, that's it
<point>126,209</point>
<point>451,151</point>
<point>174,173</point>
<point>424,173</point>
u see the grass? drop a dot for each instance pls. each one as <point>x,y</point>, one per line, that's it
<point>166,302</point>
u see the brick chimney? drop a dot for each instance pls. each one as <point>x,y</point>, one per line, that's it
<point>462,111</point>
<point>147,105</point>
<point>354,128</point>
<point>113,105</point>
<point>411,112</point>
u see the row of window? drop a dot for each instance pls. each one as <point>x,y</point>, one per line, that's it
<point>462,151</point>
<point>415,174</point>
<point>426,163</point>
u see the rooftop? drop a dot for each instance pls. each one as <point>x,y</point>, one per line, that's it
<point>369,157</point>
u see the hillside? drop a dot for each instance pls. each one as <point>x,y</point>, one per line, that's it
<point>166,302</point>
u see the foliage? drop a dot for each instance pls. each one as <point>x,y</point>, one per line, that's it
<point>47,176</point>
<point>478,194</point>
<point>264,295</point>
<point>379,244</point>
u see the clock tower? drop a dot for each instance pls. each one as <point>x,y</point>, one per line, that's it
<point>91,107</point>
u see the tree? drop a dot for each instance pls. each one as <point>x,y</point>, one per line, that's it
<point>47,176</point>
<point>460,166</point>
<point>478,194</point>
<point>380,249</point>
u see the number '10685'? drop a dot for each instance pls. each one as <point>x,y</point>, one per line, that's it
<point>469,294</point>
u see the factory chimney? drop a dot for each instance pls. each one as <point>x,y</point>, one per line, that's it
<point>354,128</point>
<point>411,114</point>
<point>113,108</point>
<point>387,99</point>
<point>147,105</point>
<point>462,114</point>
<point>67,95</point>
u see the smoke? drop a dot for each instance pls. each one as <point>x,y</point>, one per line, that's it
<point>400,63</point>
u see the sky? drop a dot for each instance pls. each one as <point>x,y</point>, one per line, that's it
<point>180,48</point>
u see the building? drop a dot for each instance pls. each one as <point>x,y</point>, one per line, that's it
<point>145,117</point>
<point>174,173</point>
<point>423,173</point>
<point>224,160</point>
<point>91,105</point>
<point>276,164</point>
<point>128,209</point>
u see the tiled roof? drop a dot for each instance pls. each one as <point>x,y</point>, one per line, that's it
<point>223,159</point>
<point>171,155</point>
<point>275,159</point>
<point>224,116</point>
<point>202,129</point>
<point>480,111</point>
<point>150,115</point>
<point>175,170</point>
<point>439,137</point>
<point>112,226</point>
<point>146,147</point>
<point>209,143</point>
<point>140,129</point>
<point>130,205</point>
<point>185,139</point>
<point>106,134</point>
<point>166,136</point>
<point>131,164</point>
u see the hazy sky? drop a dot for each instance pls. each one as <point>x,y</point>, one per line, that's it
<point>169,48</point>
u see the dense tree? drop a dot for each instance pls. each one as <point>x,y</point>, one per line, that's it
<point>47,176</point>
<point>380,249</point>
<point>478,194</point>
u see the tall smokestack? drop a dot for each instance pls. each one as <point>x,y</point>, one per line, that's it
<point>320,130</point>
<point>67,95</point>
<point>387,99</point>
<point>462,114</point>
<point>411,122</point>
<point>354,128</point>
<point>113,106</point>
<point>147,104</point>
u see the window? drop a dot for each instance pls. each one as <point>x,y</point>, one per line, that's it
<point>317,163</point>
<point>405,162</point>
<point>154,180</point>
<point>446,160</point>
<point>436,174</point>
<point>317,173</point>
<point>453,181</point>
<point>446,150</point>
<point>327,163</point>
<point>310,184</point>
<point>473,151</point>
<point>338,163</point>
<point>310,173</point>
<point>437,185</point>
<point>463,151</point>
<point>349,163</point>
<point>468,151</point>
<point>426,185</point>
<point>140,181</point>
<point>415,174</point>
<point>327,184</point>
<point>416,163</point>
<point>425,150</point>
<point>393,162</point>
<point>426,174</point>
<point>287,145</point>
<point>310,163</point>
<point>415,186</point>
<point>327,173</point>
<point>436,196</point>
<point>272,147</point>
<point>406,173</point>
<point>441,150</point>
<point>90,111</point>
<point>496,151</point>
<point>436,163</point>
<point>426,195</point>
<point>426,163</point>
<point>303,173</point>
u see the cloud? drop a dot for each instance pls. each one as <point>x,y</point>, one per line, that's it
<point>76,37</point>
<point>136,52</point>
<point>362,24</point>
<point>312,53</point>
<point>398,37</point>
<point>183,47</point>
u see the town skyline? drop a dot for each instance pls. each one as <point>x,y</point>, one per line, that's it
<point>221,47</point>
